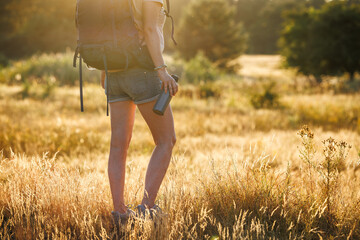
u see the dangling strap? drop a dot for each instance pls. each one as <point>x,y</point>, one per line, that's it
<point>168,6</point>
<point>106,84</point>
<point>78,55</point>
<point>131,11</point>
<point>75,56</point>
<point>81,84</point>
<point>167,13</point>
<point>172,28</point>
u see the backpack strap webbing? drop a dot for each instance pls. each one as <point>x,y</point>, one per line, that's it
<point>167,13</point>
<point>76,56</point>
<point>106,84</point>
<point>81,84</point>
<point>131,11</point>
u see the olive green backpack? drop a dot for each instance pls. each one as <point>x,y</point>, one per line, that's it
<point>108,39</point>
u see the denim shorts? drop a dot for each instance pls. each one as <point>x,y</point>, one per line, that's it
<point>137,84</point>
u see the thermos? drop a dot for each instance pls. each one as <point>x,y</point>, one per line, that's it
<point>164,99</point>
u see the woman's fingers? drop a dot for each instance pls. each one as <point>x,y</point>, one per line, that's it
<point>174,89</point>
<point>171,89</point>
<point>169,85</point>
<point>166,87</point>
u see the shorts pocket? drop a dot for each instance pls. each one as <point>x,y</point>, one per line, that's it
<point>153,78</point>
<point>137,82</point>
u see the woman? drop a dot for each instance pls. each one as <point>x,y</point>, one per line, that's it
<point>141,87</point>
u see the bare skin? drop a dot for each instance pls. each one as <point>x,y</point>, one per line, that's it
<point>152,39</point>
<point>122,116</point>
<point>162,129</point>
<point>163,132</point>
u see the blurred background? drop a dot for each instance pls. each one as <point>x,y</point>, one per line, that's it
<point>253,72</point>
<point>289,60</point>
<point>317,37</point>
<point>286,60</point>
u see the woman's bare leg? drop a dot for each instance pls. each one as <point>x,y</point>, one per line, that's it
<point>122,116</point>
<point>162,130</point>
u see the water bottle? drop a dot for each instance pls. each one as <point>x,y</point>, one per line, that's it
<point>164,99</point>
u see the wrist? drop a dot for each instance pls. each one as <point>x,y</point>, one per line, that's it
<point>162,71</point>
<point>162,66</point>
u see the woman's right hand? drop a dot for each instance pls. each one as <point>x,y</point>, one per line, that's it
<point>168,82</point>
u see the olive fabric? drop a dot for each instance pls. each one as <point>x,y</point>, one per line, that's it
<point>139,85</point>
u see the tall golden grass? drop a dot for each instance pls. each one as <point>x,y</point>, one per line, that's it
<point>252,192</point>
<point>236,172</point>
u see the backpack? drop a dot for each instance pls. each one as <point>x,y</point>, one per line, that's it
<point>108,39</point>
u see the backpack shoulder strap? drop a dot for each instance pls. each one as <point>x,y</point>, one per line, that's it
<point>131,10</point>
<point>167,12</point>
<point>168,6</point>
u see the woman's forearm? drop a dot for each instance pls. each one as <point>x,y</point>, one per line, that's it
<point>152,40</point>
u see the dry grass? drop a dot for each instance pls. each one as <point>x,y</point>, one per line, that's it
<point>236,172</point>
<point>264,66</point>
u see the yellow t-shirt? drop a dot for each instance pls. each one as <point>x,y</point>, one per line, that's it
<point>137,6</point>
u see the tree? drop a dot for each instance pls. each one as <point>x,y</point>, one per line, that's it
<point>325,41</point>
<point>266,32</point>
<point>316,3</point>
<point>209,26</point>
<point>263,20</point>
<point>296,42</point>
<point>176,11</point>
<point>31,26</point>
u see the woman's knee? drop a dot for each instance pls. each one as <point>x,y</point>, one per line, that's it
<point>167,143</point>
<point>173,140</point>
<point>120,142</point>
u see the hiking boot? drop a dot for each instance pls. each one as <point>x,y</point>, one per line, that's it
<point>155,210</point>
<point>122,218</point>
<point>142,211</point>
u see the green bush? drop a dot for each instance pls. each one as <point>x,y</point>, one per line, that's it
<point>37,91</point>
<point>4,61</point>
<point>200,69</point>
<point>25,92</point>
<point>267,98</point>
<point>208,90</point>
<point>48,87</point>
<point>40,67</point>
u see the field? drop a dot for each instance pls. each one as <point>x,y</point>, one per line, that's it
<point>243,167</point>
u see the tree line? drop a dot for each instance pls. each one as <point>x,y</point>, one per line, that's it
<point>35,26</point>
<point>318,37</point>
<point>31,26</point>
<point>323,42</point>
